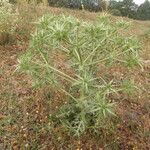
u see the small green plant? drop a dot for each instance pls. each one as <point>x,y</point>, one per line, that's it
<point>128,86</point>
<point>85,46</point>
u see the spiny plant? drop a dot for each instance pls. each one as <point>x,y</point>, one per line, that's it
<point>85,46</point>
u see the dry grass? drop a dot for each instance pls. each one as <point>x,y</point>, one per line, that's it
<point>24,111</point>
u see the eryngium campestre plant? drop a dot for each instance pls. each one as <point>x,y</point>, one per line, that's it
<point>85,46</point>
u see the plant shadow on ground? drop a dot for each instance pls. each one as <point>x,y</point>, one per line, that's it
<point>25,114</point>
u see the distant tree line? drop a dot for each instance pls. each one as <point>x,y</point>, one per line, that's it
<point>129,9</point>
<point>92,5</point>
<point>126,8</point>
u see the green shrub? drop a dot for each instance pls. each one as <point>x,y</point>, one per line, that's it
<point>115,12</point>
<point>8,20</point>
<point>8,17</point>
<point>85,46</point>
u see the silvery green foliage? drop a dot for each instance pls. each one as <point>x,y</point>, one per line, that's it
<point>86,46</point>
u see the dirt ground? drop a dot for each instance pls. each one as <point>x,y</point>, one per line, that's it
<point>24,111</point>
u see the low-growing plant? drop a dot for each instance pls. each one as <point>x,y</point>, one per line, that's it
<point>128,86</point>
<point>147,34</point>
<point>85,47</point>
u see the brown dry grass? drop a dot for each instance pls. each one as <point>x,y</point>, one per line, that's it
<point>24,111</point>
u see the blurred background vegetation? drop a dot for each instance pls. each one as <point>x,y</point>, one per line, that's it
<point>127,8</point>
